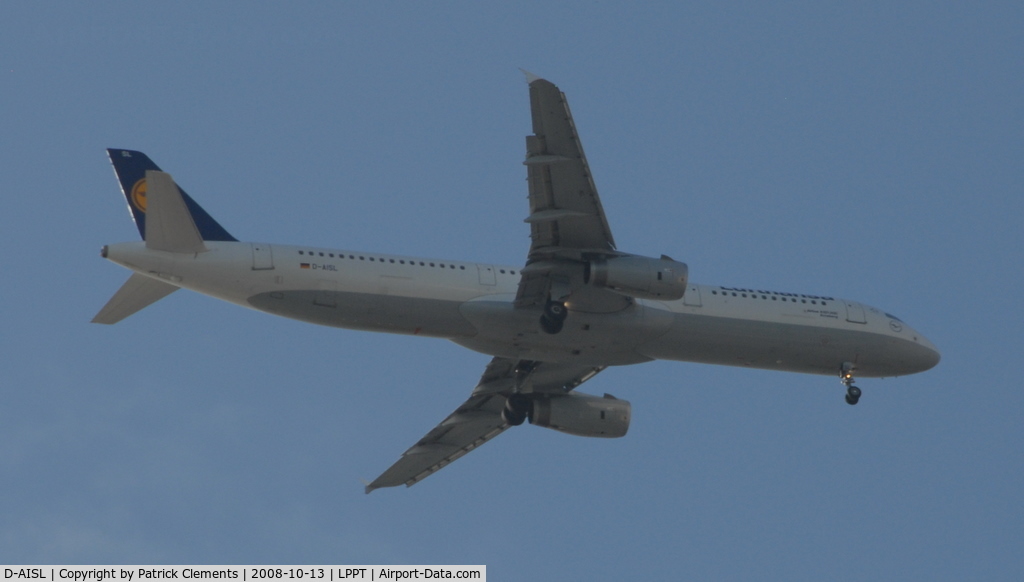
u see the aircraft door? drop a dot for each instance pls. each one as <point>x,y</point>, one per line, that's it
<point>487,276</point>
<point>855,312</point>
<point>692,296</point>
<point>326,293</point>
<point>262,257</point>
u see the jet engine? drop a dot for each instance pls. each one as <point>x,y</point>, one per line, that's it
<point>582,415</point>
<point>639,277</point>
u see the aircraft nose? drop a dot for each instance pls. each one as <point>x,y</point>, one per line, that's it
<point>925,356</point>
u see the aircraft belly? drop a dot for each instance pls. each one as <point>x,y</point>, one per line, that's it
<point>792,347</point>
<point>367,311</point>
<point>600,339</point>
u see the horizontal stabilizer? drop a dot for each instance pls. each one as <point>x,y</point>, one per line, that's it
<point>169,225</point>
<point>138,291</point>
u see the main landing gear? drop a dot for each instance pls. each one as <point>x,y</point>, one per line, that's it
<point>846,377</point>
<point>553,318</point>
<point>517,408</point>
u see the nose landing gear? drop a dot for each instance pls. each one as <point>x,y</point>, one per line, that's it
<point>846,377</point>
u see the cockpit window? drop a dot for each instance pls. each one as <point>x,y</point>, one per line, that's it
<point>891,316</point>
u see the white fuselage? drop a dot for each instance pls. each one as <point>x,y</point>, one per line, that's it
<point>472,305</point>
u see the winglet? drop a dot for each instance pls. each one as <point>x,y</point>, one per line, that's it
<point>530,77</point>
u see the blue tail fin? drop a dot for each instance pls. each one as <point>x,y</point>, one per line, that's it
<point>130,167</point>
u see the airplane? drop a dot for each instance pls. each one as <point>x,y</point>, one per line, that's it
<point>577,306</point>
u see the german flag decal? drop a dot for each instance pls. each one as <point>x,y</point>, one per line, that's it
<point>303,265</point>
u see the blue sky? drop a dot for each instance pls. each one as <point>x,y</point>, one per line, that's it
<point>870,151</point>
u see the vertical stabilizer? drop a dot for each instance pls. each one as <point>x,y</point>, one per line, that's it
<point>130,167</point>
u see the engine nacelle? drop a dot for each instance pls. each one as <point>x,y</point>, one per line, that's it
<point>640,277</point>
<point>582,415</point>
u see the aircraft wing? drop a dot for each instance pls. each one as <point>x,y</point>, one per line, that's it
<point>479,419</point>
<point>567,221</point>
<point>565,211</point>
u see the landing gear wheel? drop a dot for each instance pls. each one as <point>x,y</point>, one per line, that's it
<point>514,419</point>
<point>846,377</point>
<point>550,326</point>
<point>555,310</point>
<point>554,317</point>
<point>852,395</point>
<point>517,407</point>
